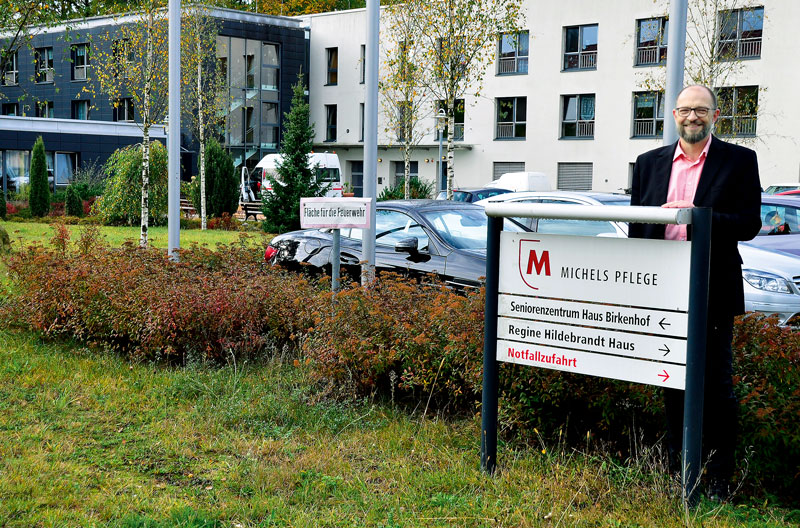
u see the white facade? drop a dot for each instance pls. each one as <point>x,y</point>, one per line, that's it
<point>611,150</point>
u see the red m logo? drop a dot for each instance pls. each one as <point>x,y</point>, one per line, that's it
<point>532,258</point>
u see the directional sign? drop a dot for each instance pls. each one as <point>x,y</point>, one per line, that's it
<point>614,308</point>
<point>590,314</point>
<point>334,212</point>
<point>621,368</point>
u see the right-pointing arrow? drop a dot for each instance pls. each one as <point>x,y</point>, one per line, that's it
<point>665,350</point>
<point>664,375</point>
<point>662,324</point>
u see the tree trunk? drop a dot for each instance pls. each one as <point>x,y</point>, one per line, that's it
<point>201,122</point>
<point>146,136</point>
<point>451,125</point>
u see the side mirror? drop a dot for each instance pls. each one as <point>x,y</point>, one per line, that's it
<point>407,245</point>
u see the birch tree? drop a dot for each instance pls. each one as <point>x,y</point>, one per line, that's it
<point>205,94</point>
<point>404,98</point>
<point>131,63</point>
<point>460,38</point>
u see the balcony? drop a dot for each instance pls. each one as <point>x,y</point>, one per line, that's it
<point>585,128</point>
<point>749,48</point>
<point>458,133</point>
<point>505,130</point>
<point>585,60</point>
<point>651,55</point>
<point>10,78</point>
<point>80,73</point>
<point>577,129</point>
<point>647,128</point>
<point>508,65</point>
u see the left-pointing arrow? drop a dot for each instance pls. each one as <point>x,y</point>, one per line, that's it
<point>664,375</point>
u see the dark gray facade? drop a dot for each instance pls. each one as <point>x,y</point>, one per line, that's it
<point>62,95</point>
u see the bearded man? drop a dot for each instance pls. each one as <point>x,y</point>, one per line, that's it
<point>700,170</point>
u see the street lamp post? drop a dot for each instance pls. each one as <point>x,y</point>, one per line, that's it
<point>441,119</point>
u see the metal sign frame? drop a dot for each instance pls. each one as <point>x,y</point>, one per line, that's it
<point>700,220</point>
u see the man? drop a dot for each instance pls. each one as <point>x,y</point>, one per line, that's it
<point>703,171</point>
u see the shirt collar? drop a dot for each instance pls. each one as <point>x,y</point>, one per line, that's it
<point>679,151</point>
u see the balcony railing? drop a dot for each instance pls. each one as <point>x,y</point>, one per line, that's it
<point>651,55</point>
<point>505,130</point>
<point>750,47</point>
<point>458,133</point>
<point>745,125</point>
<point>10,78</point>
<point>646,127</point>
<point>585,128</point>
<point>512,65</point>
<point>584,60</point>
<point>80,73</point>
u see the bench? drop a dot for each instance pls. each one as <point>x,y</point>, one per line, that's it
<point>187,208</point>
<point>250,209</point>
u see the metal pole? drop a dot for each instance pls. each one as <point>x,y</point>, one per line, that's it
<point>676,36</point>
<point>336,260</point>
<point>439,164</point>
<point>174,138</point>
<point>371,137</point>
<point>490,367</point>
<point>696,355</point>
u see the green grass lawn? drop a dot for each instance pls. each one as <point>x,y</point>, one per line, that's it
<point>87,439</point>
<point>24,233</point>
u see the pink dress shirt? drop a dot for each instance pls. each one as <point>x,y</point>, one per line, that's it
<point>683,182</point>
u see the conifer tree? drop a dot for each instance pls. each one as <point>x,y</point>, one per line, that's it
<point>296,179</point>
<point>40,189</point>
<point>74,204</point>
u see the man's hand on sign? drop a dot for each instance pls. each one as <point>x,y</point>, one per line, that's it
<point>678,204</point>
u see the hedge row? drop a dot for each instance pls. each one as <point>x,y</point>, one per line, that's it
<point>420,343</point>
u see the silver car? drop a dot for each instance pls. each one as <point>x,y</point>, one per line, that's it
<point>771,278</point>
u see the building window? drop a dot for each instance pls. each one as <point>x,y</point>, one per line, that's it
<point>574,177</point>
<point>502,167</point>
<point>80,62</point>
<point>15,168</point>
<point>270,66</point>
<point>400,171</point>
<point>123,109</point>
<point>330,120</point>
<point>740,33</point>
<point>66,162</point>
<point>361,119</point>
<point>651,41</point>
<point>458,118</point>
<point>11,71</point>
<point>10,109</point>
<point>580,47</point>
<point>512,53</point>
<point>123,57</point>
<point>577,116</point>
<point>80,110</point>
<point>363,63</point>
<point>333,65</point>
<point>511,117</point>
<point>45,72</point>
<point>648,114</point>
<point>45,109</point>
<point>738,111</point>
<point>270,125</point>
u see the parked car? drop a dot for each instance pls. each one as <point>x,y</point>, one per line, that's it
<point>472,195</point>
<point>780,224</point>
<point>416,237</point>
<point>771,264</point>
<point>782,187</point>
<point>795,193</point>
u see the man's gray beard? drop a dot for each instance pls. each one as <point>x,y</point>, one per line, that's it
<point>697,137</point>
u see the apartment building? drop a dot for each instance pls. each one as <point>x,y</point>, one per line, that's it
<point>42,92</point>
<point>572,95</point>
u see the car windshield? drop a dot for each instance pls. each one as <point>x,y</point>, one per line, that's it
<point>621,200</point>
<point>779,219</point>
<point>463,228</point>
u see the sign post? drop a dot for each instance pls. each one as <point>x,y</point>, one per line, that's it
<point>627,309</point>
<point>336,213</point>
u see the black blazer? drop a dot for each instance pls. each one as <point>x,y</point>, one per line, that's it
<point>730,186</point>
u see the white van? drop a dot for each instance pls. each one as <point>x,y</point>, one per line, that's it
<point>327,168</point>
<point>522,181</point>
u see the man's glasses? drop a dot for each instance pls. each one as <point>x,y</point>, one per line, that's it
<point>699,111</point>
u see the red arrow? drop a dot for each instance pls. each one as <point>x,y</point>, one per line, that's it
<point>664,375</point>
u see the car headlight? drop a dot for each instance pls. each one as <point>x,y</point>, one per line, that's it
<point>763,280</point>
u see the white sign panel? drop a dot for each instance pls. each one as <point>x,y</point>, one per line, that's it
<point>615,308</point>
<point>335,212</point>
<point>629,272</point>
<point>605,366</point>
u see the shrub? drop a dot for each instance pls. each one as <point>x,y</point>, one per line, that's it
<point>225,223</point>
<point>23,193</point>
<point>418,189</point>
<point>89,180</point>
<point>121,202</point>
<point>3,206</point>
<point>74,204</point>
<point>10,209</point>
<point>57,209</point>
<point>40,188</point>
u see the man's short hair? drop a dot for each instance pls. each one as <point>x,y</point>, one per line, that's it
<point>706,88</point>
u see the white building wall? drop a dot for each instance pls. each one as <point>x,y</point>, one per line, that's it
<point>612,149</point>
